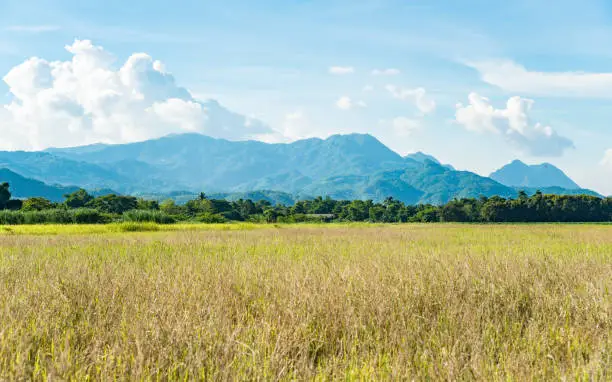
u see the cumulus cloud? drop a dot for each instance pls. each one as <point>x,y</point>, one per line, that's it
<point>403,126</point>
<point>513,123</point>
<point>297,126</point>
<point>368,89</point>
<point>607,159</point>
<point>341,70</point>
<point>346,103</point>
<point>386,72</point>
<point>87,99</point>
<point>399,127</point>
<point>513,77</point>
<point>419,96</point>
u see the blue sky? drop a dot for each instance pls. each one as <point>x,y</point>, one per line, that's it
<point>532,78</point>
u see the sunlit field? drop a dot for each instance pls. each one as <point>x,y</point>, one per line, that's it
<point>244,302</point>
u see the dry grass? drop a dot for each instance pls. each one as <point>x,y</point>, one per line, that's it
<point>413,301</point>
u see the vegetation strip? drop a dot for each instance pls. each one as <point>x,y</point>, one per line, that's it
<point>80,207</point>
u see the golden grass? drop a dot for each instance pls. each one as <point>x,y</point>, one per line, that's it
<point>307,302</point>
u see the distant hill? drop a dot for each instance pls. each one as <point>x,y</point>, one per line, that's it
<point>354,166</point>
<point>519,174</point>
<point>428,183</point>
<point>55,169</point>
<point>22,187</point>
<point>198,162</point>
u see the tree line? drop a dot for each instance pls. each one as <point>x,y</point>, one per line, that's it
<point>80,207</point>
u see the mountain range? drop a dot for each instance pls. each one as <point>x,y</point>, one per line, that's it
<point>355,166</point>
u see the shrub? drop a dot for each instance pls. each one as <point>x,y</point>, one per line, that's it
<point>37,204</point>
<point>11,217</point>
<point>210,218</point>
<point>90,216</point>
<point>231,215</point>
<point>148,216</point>
<point>57,216</point>
<point>14,204</point>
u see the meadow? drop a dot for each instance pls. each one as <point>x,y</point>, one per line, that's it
<point>285,302</point>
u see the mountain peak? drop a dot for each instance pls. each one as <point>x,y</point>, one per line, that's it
<point>519,174</point>
<point>518,162</point>
<point>354,137</point>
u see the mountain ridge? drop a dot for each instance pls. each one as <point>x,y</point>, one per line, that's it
<point>22,187</point>
<point>354,166</point>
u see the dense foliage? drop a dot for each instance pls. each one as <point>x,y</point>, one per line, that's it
<point>81,207</point>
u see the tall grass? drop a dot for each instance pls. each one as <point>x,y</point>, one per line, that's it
<point>147,216</point>
<point>386,302</point>
<point>54,216</point>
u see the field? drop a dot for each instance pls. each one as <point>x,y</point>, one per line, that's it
<point>498,302</point>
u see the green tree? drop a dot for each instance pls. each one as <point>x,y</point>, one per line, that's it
<point>77,199</point>
<point>14,204</point>
<point>170,207</point>
<point>245,208</point>
<point>5,195</point>
<point>37,204</point>
<point>271,215</point>
<point>453,211</point>
<point>429,214</point>
<point>376,213</point>
<point>114,204</point>
<point>199,206</point>
<point>151,205</point>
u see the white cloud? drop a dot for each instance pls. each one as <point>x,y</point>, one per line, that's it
<point>346,103</point>
<point>386,72</point>
<point>403,126</point>
<point>368,89</point>
<point>419,96</point>
<point>33,28</point>
<point>513,77</point>
<point>513,123</point>
<point>297,126</point>
<point>87,100</point>
<point>399,127</point>
<point>341,70</point>
<point>607,159</point>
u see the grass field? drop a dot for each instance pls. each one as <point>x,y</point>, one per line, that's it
<point>363,302</point>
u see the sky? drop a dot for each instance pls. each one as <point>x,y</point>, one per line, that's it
<point>475,83</point>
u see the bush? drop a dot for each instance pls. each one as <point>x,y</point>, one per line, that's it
<point>11,217</point>
<point>14,204</point>
<point>90,216</point>
<point>231,215</point>
<point>210,218</point>
<point>37,204</point>
<point>148,216</point>
<point>137,227</point>
<point>49,216</point>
